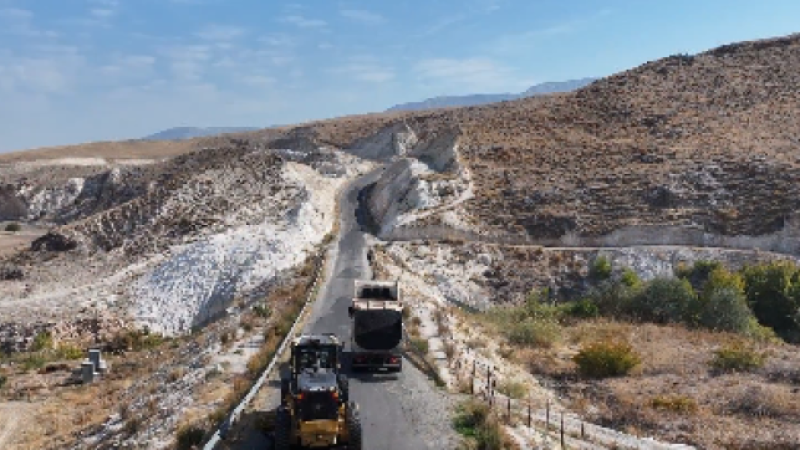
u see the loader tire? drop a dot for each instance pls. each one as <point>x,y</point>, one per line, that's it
<point>344,386</point>
<point>354,431</point>
<point>283,430</point>
<point>284,390</point>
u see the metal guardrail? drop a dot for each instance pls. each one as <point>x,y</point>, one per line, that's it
<point>234,415</point>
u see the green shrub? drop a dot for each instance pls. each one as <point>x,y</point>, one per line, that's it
<point>42,341</point>
<point>420,343</point>
<point>773,293</point>
<point>475,421</point>
<point>663,300</point>
<point>3,381</point>
<point>698,274</point>
<point>738,357</point>
<point>33,361</point>
<point>66,351</point>
<point>612,297</point>
<point>584,309</point>
<point>606,359</point>
<point>262,311</point>
<point>513,389</point>
<point>724,309</point>
<point>675,403</point>
<point>13,227</point>
<point>534,333</point>
<point>189,437</point>
<point>630,278</point>
<point>600,269</point>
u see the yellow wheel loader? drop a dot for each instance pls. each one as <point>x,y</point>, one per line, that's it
<point>315,410</point>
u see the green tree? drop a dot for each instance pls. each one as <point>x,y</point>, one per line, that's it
<point>664,300</point>
<point>600,269</point>
<point>698,274</point>
<point>773,293</point>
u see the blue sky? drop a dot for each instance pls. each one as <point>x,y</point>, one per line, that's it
<point>84,70</point>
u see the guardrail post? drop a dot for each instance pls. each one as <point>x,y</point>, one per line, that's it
<point>563,447</point>
<point>583,431</point>
<point>508,405</point>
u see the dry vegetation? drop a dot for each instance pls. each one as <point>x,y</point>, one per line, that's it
<point>675,392</point>
<point>142,375</point>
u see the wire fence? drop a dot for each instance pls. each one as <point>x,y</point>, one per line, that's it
<point>545,416</point>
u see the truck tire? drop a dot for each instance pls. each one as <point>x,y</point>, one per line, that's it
<point>284,390</point>
<point>283,430</point>
<point>344,386</point>
<point>354,431</point>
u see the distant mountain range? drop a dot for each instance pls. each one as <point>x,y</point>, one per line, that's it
<point>180,133</point>
<point>480,99</point>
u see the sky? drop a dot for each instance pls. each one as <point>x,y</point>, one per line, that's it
<point>74,71</point>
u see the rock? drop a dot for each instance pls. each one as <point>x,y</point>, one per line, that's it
<point>53,242</point>
<point>11,273</point>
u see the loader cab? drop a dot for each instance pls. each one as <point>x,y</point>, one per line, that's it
<point>317,354</point>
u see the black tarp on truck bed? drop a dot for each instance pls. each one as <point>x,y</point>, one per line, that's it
<point>378,329</point>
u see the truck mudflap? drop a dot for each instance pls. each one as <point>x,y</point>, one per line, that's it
<point>391,362</point>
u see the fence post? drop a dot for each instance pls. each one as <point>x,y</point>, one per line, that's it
<point>563,447</point>
<point>529,413</point>
<point>583,431</point>
<point>547,417</point>
<point>508,399</point>
<point>472,386</point>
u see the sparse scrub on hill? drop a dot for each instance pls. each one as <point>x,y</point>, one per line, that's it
<point>480,426</point>
<point>13,227</point>
<point>773,401</point>
<point>674,403</point>
<point>189,437</point>
<point>533,324</point>
<point>738,357</point>
<point>606,359</point>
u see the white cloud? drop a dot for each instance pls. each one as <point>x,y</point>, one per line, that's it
<point>258,80</point>
<point>221,33</point>
<point>303,22</point>
<point>15,14</point>
<point>366,69</point>
<point>362,15</point>
<point>443,23</point>
<point>187,62</point>
<point>517,43</point>
<point>278,40</point>
<point>101,13</point>
<point>477,74</point>
<point>19,22</point>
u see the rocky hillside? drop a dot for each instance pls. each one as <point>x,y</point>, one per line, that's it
<point>169,244</point>
<point>689,149</point>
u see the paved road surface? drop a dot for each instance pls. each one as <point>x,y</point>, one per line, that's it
<point>388,424</point>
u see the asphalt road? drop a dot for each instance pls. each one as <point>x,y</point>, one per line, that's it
<point>388,424</point>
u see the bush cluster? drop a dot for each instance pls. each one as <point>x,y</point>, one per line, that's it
<point>606,359</point>
<point>758,301</point>
<point>480,426</point>
<point>738,357</point>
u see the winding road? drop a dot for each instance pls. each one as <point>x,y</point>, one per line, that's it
<point>388,403</point>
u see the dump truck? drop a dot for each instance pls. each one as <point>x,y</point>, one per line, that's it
<point>377,326</point>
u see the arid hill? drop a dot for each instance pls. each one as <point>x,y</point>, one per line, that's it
<point>708,141</point>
